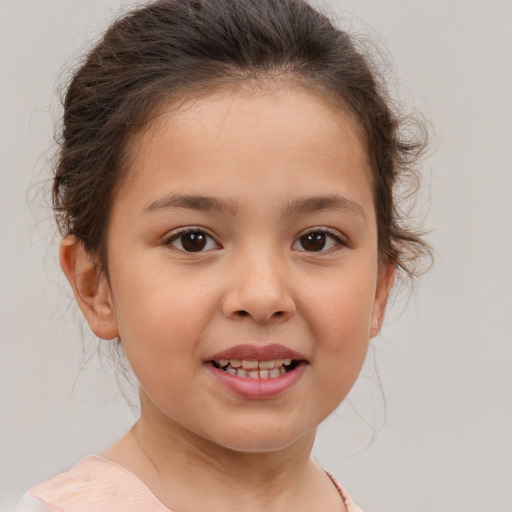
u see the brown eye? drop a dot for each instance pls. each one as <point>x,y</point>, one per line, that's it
<point>313,241</point>
<point>193,241</point>
<point>319,240</point>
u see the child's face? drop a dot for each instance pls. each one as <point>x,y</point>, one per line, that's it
<point>246,230</point>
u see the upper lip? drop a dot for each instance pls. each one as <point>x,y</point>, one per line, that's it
<point>257,353</point>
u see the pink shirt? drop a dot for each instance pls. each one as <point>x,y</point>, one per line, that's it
<point>97,485</point>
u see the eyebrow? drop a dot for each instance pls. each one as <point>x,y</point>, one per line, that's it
<point>193,202</point>
<point>336,202</point>
<point>299,206</point>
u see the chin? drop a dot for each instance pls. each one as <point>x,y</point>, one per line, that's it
<point>261,441</point>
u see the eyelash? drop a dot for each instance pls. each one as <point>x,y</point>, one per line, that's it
<point>328,233</point>
<point>176,236</point>
<point>331,234</point>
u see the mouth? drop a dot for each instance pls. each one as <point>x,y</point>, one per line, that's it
<point>256,369</point>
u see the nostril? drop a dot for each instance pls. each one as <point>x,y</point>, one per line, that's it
<point>276,314</point>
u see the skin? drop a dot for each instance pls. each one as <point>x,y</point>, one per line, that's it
<point>258,154</point>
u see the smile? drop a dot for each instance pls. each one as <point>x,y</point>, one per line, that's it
<point>251,369</point>
<point>257,372</point>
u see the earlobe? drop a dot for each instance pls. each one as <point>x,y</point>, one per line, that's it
<point>384,285</point>
<point>90,286</point>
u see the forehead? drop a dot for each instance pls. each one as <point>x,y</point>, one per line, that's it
<point>227,139</point>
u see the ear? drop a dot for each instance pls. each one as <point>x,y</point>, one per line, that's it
<point>385,279</point>
<point>90,286</point>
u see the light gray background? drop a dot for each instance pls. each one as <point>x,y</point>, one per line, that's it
<point>444,363</point>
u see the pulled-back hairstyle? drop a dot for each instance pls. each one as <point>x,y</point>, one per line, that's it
<point>171,49</point>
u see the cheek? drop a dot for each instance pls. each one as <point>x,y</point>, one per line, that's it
<point>340,319</point>
<point>150,298</point>
<point>341,311</point>
<point>160,323</point>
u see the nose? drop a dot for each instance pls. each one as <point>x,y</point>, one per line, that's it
<point>258,289</point>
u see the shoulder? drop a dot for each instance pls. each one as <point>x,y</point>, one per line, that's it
<point>94,484</point>
<point>349,502</point>
<point>32,504</point>
<point>347,499</point>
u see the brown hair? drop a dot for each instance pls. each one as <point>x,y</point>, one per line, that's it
<point>173,48</point>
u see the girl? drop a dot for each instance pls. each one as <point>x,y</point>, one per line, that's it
<point>225,194</point>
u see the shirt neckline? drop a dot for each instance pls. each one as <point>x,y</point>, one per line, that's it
<point>342,492</point>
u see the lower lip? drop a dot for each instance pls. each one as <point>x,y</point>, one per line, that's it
<point>258,388</point>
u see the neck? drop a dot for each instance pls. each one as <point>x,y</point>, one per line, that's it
<point>187,472</point>
<point>193,466</point>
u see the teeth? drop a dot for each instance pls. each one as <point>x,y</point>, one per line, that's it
<point>250,369</point>
<point>274,373</point>
<point>249,365</point>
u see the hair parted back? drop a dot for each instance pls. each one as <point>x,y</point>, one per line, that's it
<point>173,49</point>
